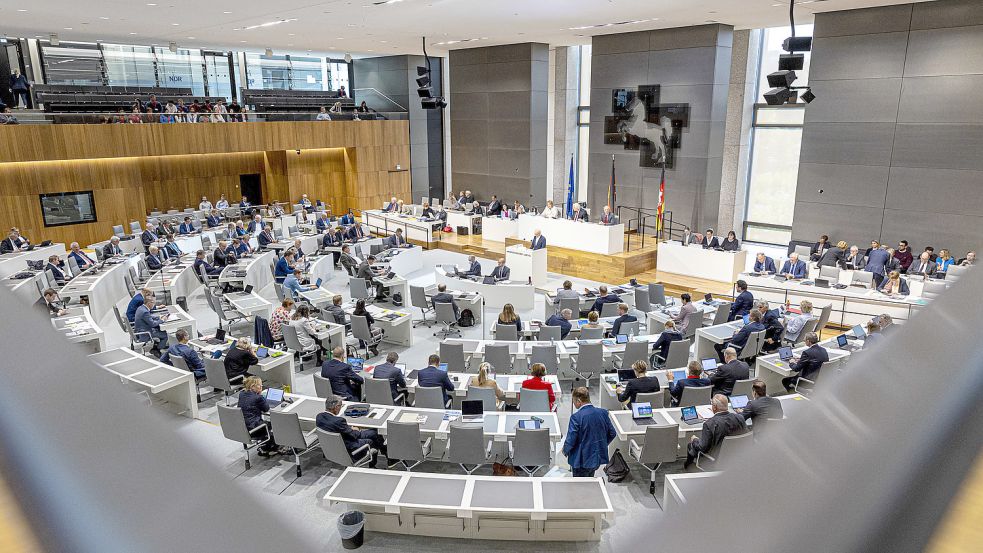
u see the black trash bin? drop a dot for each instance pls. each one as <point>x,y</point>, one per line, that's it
<point>351,528</point>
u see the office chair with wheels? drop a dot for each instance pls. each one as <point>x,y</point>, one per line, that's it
<point>403,444</point>
<point>467,445</point>
<point>531,450</point>
<point>233,424</point>
<point>286,428</point>
<point>661,445</point>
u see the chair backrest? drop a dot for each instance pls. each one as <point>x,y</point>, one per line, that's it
<point>286,428</point>
<point>505,332</point>
<point>359,289</point>
<point>233,423</point>
<point>452,353</point>
<point>678,356</point>
<point>534,401</point>
<point>753,345</point>
<point>629,328</point>
<point>486,395</point>
<point>635,351</point>
<point>810,326</point>
<point>591,358</point>
<point>499,357</point>
<point>955,271</point>
<point>118,231</point>
<point>804,252</point>
<point>693,321</point>
<point>549,333</point>
<point>179,362</point>
<point>831,273</point>
<point>278,289</point>
<point>124,324</point>
<point>445,313</point>
<point>130,288</point>
<point>656,294</point>
<point>429,397</point>
<point>290,338</point>
<point>133,273</point>
<point>215,373</point>
<point>655,399</point>
<point>403,441</point>
<point>545,354</point>
<point>933,288</point>
<point>135,227</point>
<point>730,446</point>
<point>573,304</point>
<point>824,314</point>
<point>661,444</point>
<point>378,391</point>
<point>206,242</point>
<point>73,266</point>
<point>591,333</point>
<point>467,442</point>
<point>418,298</point>
<point>609,310</point>
<point>322,386</point>
<point>862,277</point>
<point>98,252</point>
<point>532,447</point>
<point>642,300</point>
<point>333,447</point>
<point>360,328</point>
<point>743,388</point>
<point>723,310</point>
<point>695,395</point>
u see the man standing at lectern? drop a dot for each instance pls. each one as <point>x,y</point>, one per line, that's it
<point>538,242</point>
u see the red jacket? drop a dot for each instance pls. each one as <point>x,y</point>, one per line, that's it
<point>536,383</point>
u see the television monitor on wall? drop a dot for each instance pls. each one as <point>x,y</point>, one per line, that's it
<point>68,208</point>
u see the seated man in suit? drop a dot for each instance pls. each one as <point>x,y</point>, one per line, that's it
<point>641,384</point>
<point>742,303</point>
<point>764,264</point>
<point>354,233</point>
<point>347,219</point>
<point>81,258</point>
<point>562,320</point>
<point>186,227</point>
<point>443,297</point>
<point>579,213</point>
<point>322,223</point>
<point>345,382</point>
<point>200,262</point>
<point>432,376</point>
<point>666,337</point>
<point>56,307</point>
<point>441,214</point>
<point>808,364</point>
<point>244,202</point>
<point>893,263</point>
<point>819,248</point>
<point>623,317</point>
<point>256,224</point>
<point>348,262</point>
<point>135,302</point>
<point>332,421</point>
<point>794,268</point>
<point>854,260</point>
<point>474,268</point>
<point>149,236</point>
<point>396,240</point>
<point>603,297</point>
<point>223,254</point>
<point>774,328</point>
<point>391,206</point>
<point>761,406</point>
<point>726,375</point>
<point>723,423</point>
<point>366,272</point>
<point>186,352</point>
<point>153,259</point>
<point>335,313</point>
<point>709,242</point>
<point>266,237</point>
<point>693,378</point>
<point>390,372</point>
<point>145,321</point>
<point>112,249</point>
<point>494,207</point>
<point>58,269</point>
<point>213,220</point>
<point>171,248</point>
<point>566,292</point>
<point>608,218</point>
<point>284,266</point>
<point>740,338</point>
<point>538,240</point>
<point>13,242</point>
<point>501,271</point>
<point>922,266</point>
<point>240,247</point>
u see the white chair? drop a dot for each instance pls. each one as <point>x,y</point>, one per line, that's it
<point>549,333</point>
<point>403,444</point>
<point>378,391</point>
<point>429,397</point>
<point>753,346</point>
<point>862,278</point>
<point>590,361</point>
<point>362,332</point>
<point>292,342</point>
<point>642,303</point>
<point>335,451</point>
<point>418,299</point>
<point>609,310</point>
<point>499,357</point>
<point>655,399</point>
<point>656,294</point>
<point>661,445</point>
<point>723,311</point>
<point>445,316</point>
<point>322,386</point>
<point>217,378</point>
<point>731,444</point>
<point>634,351</point>
<point>487,397</point>
<point>453,354</point>
<point>830,273</point>
<point>694,321</point>
<point>629,328</point>
<point>286,429</point>
<point>467,445</point>
<point>678,355</point>
<point>545,354</point>
<point>591,333</point>
<point>695,395</point>
<point>506,332</point>
<point>359,289</point>
<point>530,450</point>
<point>743,388</point>
<point>573,304</point>
<point>534,401</point>
<point>233,424</point>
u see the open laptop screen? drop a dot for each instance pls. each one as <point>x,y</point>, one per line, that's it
<point>641,410</point>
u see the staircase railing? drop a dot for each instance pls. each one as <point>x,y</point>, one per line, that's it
<point>642,222</point>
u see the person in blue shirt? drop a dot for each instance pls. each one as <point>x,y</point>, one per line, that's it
<point>742,303</point>
<point>145,321</point>
<point>137,301</point>
<point>83,260</point>
<point>794,268</point>
<point>200,262</point>
<point>764,264</point>
<point>241,247</point>
<point>345,382</point>
<point>222,203</point>
<point>171,247</point>
<point>244,202</point>
<point>391,206</point>
<point>474,268</point>
<point>347,219</point>
<point>154,262</point>
<point>623,317</point>
<point>739,339</point>
<point>186,227</point>
<point>603,297</point>
<point>305,202</point>
<point>432,376</point>
<point>213,220</point>
<point>562,320</point>
<point>693,371</point>
<point>322,222</point>
<point>284,266</point>
<point>292,286</point>
<point>186,352</point>
<point>588,435</point>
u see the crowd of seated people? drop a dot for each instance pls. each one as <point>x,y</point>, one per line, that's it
<point>155,111</point>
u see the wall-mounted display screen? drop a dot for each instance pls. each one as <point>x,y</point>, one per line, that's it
<point>68,208</point>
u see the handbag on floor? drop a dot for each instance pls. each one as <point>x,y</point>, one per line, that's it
<point>617,469</point>
<point>504,468</point>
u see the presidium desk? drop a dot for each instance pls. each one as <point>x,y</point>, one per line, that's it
<point>562,233</point>
<point>694,261</point>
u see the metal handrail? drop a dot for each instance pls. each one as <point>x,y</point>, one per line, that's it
<point>642,219</point>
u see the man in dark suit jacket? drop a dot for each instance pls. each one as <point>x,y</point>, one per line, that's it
<point>579,213</point>
<point>819,248</point>
<point>153,259</point>
<point>213,220</point>
<point>809,363</point>
<point>390,372</point>
<point>501,272</point>
<point>434,377</point>
<point>266,237</point>
<point>709,241</point>
<point>922,266</point>
<point>186,227</point>
<point>538,241</point>
<point>794,267</point>
<point>474,268</point>
<point>321,224</point>
<point>740,338</point>
<point>396,240</point>
<point>742,303</point>
<point>494,207</point>
<point>256,224</point>
<point>761,407</point>
<point>345,382</point>
<point>854,259</point>
<point>200,262</point>
<point>331,421</point>
<point>602,298</point>
<point>623,317</point>
<point>562,320</point>
<point>693,371</point>
<point>223,255</point>
<point>764,264</point>
<point>443,297</point>
<point>112,249</point>
<point>726,375</point>
<point>641,384</point>
<point>13,242</point>
<point>666,338</point>
<point>722,424</point>
<point>148,237</point>
<point>57,268</point>
<point>877,263</point>
<point>354,232</point>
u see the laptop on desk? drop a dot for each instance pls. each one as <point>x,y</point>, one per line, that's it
<point>738,402</point>
<point>621,339</point>
<point>488,280</point>
<point>625,375</point>
<point>248,289</point>
<point>709,364</point>
<point>785,354</point>
<point>262,352</point>
<point>690,416</point>
<point>472,410</point>
<point>642,413</point>
<point>844,344</point>
<point>218,339</point>
<point>273,396</point>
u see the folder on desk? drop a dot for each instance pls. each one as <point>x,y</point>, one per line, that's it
<point>704,412</point>
<point>412,417</point>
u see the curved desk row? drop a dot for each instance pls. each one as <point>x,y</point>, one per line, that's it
<point>254,270</point>
<point>164,382</point>
<point>100,288</point>
<point>520,295</point>
<point>476,507</point>
<point>15,262</point>
<point>78,328</point>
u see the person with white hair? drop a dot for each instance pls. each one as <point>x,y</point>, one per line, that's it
<point>80,257</point>
<point>723,423</point>
<point>794,268</point>
<point>579,213</point>
<point>551,211</point>
<point>112,249</point>
<point>359,443</point>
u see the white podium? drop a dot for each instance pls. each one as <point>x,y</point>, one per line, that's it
<point>525,263</point>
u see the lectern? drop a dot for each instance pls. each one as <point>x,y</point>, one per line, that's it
<point>525,263</point>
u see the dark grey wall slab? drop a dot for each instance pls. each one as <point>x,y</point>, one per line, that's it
<point>498,117</point>
<point>692,66</point>
<point>894,139</point>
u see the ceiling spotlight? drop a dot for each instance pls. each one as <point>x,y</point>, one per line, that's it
<point>808,96</point>
<point>791,62</point>
<point>53,39</point>
<point>797,44</point>
<point>778,96</point>
<point>269,52</point>
<point>781,79</point>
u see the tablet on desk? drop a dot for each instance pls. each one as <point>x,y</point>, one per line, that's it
<point>709,364</point>
<point>528,424</point>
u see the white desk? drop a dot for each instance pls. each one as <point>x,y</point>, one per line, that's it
<point>402,261</point>
<point>678,486</point>
<point>520,295</point>
<point>657,319</point>
<point>771,369</point>
<point>133,245</point>
<point>79,328</point>
<point>387,223</point>
<point>276,368</point>
<point>15,262</point>
<point>696,262</point>
<point>476,507</point>
<point>165,383</point>
<point>397,324</point>
<point>626,292</point>
<point>526,265</point>
<point>254,270</point>
<point>250,304</point>
<point>26,288</point>
<point>100,289</point>
<point>461,219</point>
<point>177,280</point>
<point>708,336</point>
<point>497,229</point>
<point>463,300</point>
<point>563,233</point>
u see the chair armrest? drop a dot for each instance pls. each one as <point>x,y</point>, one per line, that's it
<point>358,451</point>
<point>260,427</point>
<point>427,446</point>
<point>634,450</point>
<point>236,379</point>
<point>142,337</point>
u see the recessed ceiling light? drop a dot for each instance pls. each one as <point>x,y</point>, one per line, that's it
<point>132,33</point>
<point>242,41</point>
<point>340,38</point>
<point>226,12</point>
<point>191,38</point>
<point>22,11</point>
<point>151,4</point>
<point>371,50</point>
<point>383,41</point>
<point>68,28</point>
<point>269,24</point>
<point>104,18</point>
<point>175,24</point>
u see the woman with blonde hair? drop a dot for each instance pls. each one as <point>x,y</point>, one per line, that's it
<point>240,358</point>
<point>944,260</point>
<point>894,284</point>
<point>253,405</point>
<point>508,317</point>
<point>481,380</point>
<point>592,320</point>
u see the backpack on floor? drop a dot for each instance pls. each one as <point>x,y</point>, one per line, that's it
<point>466,319</point>
<point>617,469</point>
